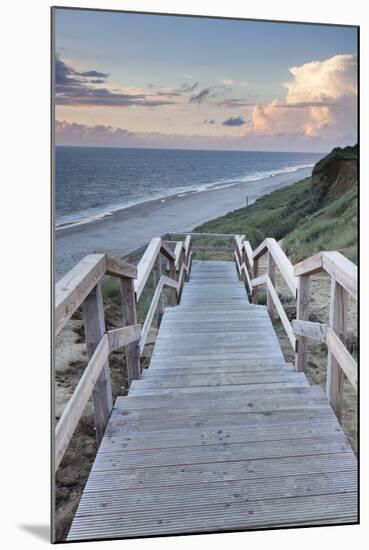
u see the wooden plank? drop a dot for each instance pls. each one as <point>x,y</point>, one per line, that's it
<point>203,454</point>
<point>94,324</point>
<point>302,314</point>
<point>157,273</point>
<point>179,476</point>
<point>308,329</point>
<point>337,322</point>
<point>75,286</point>
<point>282,315</point>
<point>167,251</point>
<point>310,266</point>
<point>150,314</point>
<point>304,510</point>
<point>130,318</point>
<point>221,491</point>
<point>259,281</point>
<point>271,275</point>
<point>284,265</point>
<point>344,271</point>
<point>119,268</point>
<point>187,246</point>
<point>216,380</point>
<point>343,357</point>
<point>178,254</point>
<point>181,280</point>
<point>76,404</point>
<point>122,336</point>
<point>172,277</point>
<point>121,440</point>
<point>249,255</point>
<point>146,264</point>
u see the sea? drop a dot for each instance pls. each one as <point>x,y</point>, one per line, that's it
<point>94,182</point>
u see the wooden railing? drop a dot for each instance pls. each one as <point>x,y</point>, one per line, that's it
<point>82,287</point>
<point>343,275</point>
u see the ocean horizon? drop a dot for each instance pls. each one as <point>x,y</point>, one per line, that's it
<point>94,182</point>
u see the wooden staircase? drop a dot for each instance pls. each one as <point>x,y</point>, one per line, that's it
<point>219,433</point>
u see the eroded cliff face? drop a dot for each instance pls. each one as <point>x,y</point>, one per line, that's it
<point>336,173</point>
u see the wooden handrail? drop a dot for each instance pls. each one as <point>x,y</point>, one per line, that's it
<point>333,263</point>
<point>76,285</point>
<point>343,275</point>
<point>82,286</point>
<point>265,280</point>
<point>164,281</point>
<point>179,259</point>
<point>283,263</point>
<point>72,413</point>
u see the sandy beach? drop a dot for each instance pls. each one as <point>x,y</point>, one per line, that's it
<point>130,228</point>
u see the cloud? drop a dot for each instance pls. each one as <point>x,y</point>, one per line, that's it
<point>95,74</point>
<point>75,88</point>
<point>321,101</point>
<point>77,134</point>
<point>234,121</point>
<point>232,103</point>
<point>198,98</point>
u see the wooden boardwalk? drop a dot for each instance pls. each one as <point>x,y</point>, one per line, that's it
<point>220,433</point>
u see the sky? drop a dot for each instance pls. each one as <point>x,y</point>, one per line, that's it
<point>136,80</point>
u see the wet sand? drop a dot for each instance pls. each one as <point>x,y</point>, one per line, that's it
<point>130,228</point>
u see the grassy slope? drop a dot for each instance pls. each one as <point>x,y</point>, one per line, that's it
<point>295,215</point>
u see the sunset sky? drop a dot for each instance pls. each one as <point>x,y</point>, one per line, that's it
<point>129,80</point>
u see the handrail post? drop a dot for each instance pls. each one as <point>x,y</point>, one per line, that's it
<point>338,322</point>
<point>130,318</point>
<point>172,274</point>
<point>271,273</point>
<point>302,314</point>
<point>255,290</point>
<point>94,323</point>
<point>157,271</point>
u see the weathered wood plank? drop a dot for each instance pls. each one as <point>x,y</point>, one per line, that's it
<point>282,314</point>
<point>308,329</point>
<point>302,314</point>
<point>343,271</point>
<point>146,264</point>
<point>94,325</point>
<point>283,263</point>
<point>130,318</point>
<point>337,322</point>
<point>76,404</point>
<point>220,517</point>
<point>119,268</point>
<point>123,336</point>
<point>159,310</point>
<point>343,357</point>
<point>310,266</point>
<point>75,286</point>
<point>167,251</point>
<point>150,314</point>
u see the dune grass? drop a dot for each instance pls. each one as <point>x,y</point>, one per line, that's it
<point>296,215</point>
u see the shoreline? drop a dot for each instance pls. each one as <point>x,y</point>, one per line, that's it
<point>127,229</point>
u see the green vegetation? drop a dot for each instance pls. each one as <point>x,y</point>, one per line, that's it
<point>331,228</point>
<point>297,215</point>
